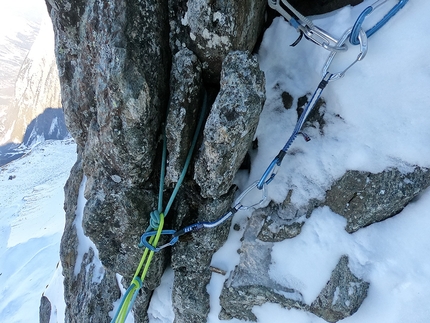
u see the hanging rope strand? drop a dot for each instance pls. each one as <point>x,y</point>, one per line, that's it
<point>155,229</point>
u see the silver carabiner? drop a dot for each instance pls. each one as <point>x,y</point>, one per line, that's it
<point>306,27</point>
<point>322,38</point>
<point>238,202</point>
<point>363,51</point>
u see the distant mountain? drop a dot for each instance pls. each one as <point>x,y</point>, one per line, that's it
<point>30,99</point>
<point>37,86</point>
<point>50,125</point>
<point>20,23</point>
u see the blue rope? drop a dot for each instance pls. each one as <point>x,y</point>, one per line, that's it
<point>353,39</point>
<point>138,285</point>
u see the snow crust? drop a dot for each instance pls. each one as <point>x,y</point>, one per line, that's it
<point>376,118</point>
<point>31,225</point>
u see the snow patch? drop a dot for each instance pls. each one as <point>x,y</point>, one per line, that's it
<point>85,242</point>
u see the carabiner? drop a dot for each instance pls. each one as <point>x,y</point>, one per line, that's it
<point>363,51</point>
<point>269,173</point>
<point>238,202</point>
<point>354,37</point>
<point>144,242</point>
<point>322,38</point>
<point>305,26</point>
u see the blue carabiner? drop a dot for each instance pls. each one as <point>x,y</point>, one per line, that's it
<point>144,239</point>
<point>353,39</point>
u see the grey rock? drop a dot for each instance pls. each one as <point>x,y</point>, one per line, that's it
<point>364,198</point>
<point>342,296</point>
<point>114,63</point>
<point>212,29</point>
<point>44,310</point>
<point>192,255</point>
<point>86,294</point>
<point>285,220</point>
<point>249,284</point>
<point>186,93</point>
<point>231,125</point>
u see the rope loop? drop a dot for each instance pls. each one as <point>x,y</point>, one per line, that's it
<point>154,220</point>
<point>136,281</point>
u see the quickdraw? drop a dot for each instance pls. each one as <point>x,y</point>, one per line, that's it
<point>156,223</point>
<point>306,28</point>
<point>323,39</point>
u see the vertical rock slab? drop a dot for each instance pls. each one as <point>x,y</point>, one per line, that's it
<point>114,61</point>
<point>186,99</point>
<point>44,310</point>
<point>228,132</point>
<point>231,125</point>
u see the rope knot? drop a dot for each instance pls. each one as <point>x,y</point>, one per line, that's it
<point>137,282</point>
<point>154,219</point>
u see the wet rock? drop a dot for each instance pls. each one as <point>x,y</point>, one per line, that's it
<point>231,125</point>
<point>342,296</point>
<point>364,198</point>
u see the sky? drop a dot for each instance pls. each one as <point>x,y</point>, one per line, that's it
<point>377,117</point>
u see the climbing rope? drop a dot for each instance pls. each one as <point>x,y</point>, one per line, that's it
<point>149,240</point>
<point>335,47</point>
<point>156,223</point>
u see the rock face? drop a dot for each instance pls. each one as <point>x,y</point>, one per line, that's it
<point>191,259</point>
<point>211,29</point>
<point>231,125</point>
<point>119,84</point>
<point>342,296</point>
<point>129,70</point>
<point>44,310</point>
<point>365,198</point>
<point>250,284</point>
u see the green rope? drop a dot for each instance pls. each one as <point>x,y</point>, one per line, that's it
<point>189,156</point>
<point>157,223</point>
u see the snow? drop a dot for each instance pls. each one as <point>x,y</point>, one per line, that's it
<point>31,225</point>
<point>376,118</point>
<point>85,243</point>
